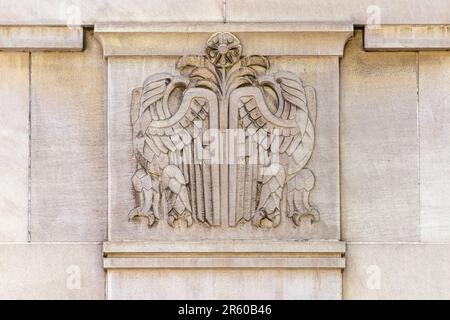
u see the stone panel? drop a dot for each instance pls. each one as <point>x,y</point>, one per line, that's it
<point>51,271</point>
<point>14,150</point>
<point>224,285</point>
<point>69,175</point>
<point>397,271</point>
<point>379,145</point>
<point>434,120</point>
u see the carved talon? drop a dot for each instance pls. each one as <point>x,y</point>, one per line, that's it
<point>312,213</point>
<point>138,212</point>
<point>261,215</point>
<point>276,219</point>
<point>173,218</point>
<point>189,220</point>
<point>298,197</point>
<point>171,221</point>
<point>174,182</point>
<point>257,218</point>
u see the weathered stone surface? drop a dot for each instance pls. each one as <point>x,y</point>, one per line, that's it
<point>82,12</point>
<point>230,284</point>
<point>397,271</point>
<point>14,106</point>
<point>41,38</point>
<point>56,12</point>
<point>51,271</point>
<point>434,126</point>
<point>68,159</point>
<point>407,37</point>
<point>379,145</point>
<point>354,11</point>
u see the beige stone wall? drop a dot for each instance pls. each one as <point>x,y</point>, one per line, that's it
<point>61,118</point>
<point>394,170</point>
<point>50,246</point>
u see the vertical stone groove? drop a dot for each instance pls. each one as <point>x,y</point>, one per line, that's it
<point>29,148</point>
<point>418,145</point>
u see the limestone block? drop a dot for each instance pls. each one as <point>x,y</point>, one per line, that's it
<point>407,37</point>
<point>276,284</point>
<point>68,192</point>
<point>14,150</point>
<point>82,12</point>
<point>358,12</point>
<point>397,271</point>
<point>41,38</point>
<point>434,125</point>
<point>379,145</point>
<point>51,271</point>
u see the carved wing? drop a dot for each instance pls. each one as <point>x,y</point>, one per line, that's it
<point>161,136</point>
<point>281,108</point>
<point>166,137</point>
<point>277,117</point>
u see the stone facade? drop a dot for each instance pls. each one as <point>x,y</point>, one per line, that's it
<point>220,150</point>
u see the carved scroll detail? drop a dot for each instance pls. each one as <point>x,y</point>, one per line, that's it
<point>185,128</point>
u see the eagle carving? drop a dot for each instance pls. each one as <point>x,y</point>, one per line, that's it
<point>223,143</point>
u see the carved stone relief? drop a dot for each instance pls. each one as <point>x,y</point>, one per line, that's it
<point>223,143</point>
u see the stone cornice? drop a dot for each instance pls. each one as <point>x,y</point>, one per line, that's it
<point>41,38</point>
<point>162,39</point>
<point>407,37</point>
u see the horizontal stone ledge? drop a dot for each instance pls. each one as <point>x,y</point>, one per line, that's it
<point>232,246</point>
<point>407,37</point>
<point>56,12</point>
<point>177,39</point>
<point>229,262</point>
<point>41,38</point>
